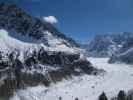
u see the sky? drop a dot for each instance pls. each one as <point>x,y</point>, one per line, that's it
<point>82,19</point>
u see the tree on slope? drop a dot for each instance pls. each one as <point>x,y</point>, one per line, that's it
<point>103,97</point>
<point>121,96</point>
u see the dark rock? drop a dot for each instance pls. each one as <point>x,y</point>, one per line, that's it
<point>8,88</point>
<point>84,65</point>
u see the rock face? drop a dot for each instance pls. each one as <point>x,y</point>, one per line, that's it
<point>34,52</point>
<point>117,46</point>
<point>99,47</point>
<point>107,45</point>
<point>125,53</point>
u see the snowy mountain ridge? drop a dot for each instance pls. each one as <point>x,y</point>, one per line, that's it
<point>34,52</point>
<point>118,46</point>
<point>105,45</point>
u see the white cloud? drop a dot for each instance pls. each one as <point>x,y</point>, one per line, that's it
<point>51,19</point>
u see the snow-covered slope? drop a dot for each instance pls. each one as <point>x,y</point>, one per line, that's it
<point>19,28</point>
<point>13,43</point>
<point>125,53</point>
<point>117,46</point>
<point>117,77</point>
<point>99,47</point>
<point>108,44</point>
<point>124,57</point>
<point>34,52</point>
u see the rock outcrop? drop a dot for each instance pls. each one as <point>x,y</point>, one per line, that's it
<point>34,52</point>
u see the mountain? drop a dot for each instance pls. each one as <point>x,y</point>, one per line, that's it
<point>117,46</point>
<point>34,52</point>
<point>125,53</point>
<point>108,44</point>
<point>99,46</point>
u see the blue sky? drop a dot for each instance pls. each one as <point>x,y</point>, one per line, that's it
<point>82,19</point>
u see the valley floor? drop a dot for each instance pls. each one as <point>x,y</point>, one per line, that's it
<point>117,77</point>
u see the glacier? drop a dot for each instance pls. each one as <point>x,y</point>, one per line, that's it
<point>117,77</point>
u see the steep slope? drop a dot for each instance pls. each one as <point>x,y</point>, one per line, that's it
<point>34,52</point>
<point>17,21</point>
<point>125,54</point>
<point>99,47</point>
<point>109,44</point>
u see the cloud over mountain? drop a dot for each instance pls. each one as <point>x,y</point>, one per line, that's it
<point>50,19</point>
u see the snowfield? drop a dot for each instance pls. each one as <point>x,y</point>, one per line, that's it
<point>117,77</point>
<point>13,41</point>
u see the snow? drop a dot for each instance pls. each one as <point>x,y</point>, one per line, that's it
<point>129,51</point>
<point>10,43</point>
<point>86,87</point>
<point>15,41</point>
<point>42,69</point>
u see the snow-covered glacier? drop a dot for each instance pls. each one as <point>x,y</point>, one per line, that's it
<point>117,77</point>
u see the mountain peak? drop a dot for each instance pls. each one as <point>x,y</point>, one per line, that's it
<point>15,20</point>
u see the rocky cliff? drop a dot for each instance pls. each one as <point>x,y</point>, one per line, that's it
<point>34,52</point>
